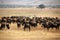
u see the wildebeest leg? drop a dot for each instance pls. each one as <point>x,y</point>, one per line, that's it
<point>0,28</point>
<point>29,29</point>
<point>51,27</point>
<point>48,28</point>
<point>7,25</point>
<point>57,28</point>
<point>24,28</point>
<point>18,25</point>
<point>44,28</point>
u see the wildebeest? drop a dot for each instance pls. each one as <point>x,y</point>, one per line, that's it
<point>50,25</point>
<point>26,25</point>
<point>28,22</point>
<point>33,23</point>
<point>2,26</point>
<point>8,21</point>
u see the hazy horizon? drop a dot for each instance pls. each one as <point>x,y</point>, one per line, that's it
<point>28,2</point>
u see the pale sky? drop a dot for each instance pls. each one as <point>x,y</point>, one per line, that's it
<point>30,2</point>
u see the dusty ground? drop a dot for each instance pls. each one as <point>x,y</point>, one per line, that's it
<point>37,33</point>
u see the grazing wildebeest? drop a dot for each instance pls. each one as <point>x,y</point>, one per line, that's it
<point>26,25</point>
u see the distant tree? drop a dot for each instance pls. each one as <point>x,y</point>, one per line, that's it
<point>41,6</point>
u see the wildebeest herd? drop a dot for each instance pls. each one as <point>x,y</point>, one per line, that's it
<point>27,22</point>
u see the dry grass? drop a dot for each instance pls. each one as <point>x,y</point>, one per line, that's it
<point>49,12</point>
